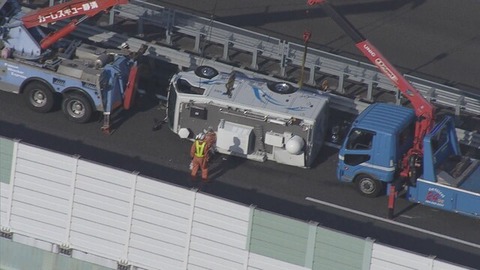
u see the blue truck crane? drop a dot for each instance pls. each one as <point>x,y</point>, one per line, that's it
<point>395,147</point>
<point>46,68</point>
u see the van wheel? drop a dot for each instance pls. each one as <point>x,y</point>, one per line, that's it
<point>206,72</point>
<point>77,108</point>
<point>368,186</point>
<point>281,87</point>
<point>38,97</point>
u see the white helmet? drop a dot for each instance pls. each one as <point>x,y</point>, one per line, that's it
<point>125,46</point>
<point>210,129</point>
<point>200,136</point>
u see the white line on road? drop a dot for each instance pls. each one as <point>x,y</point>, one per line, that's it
<point>392,222</point>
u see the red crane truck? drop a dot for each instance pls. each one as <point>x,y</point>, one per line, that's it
<point>398,147</point>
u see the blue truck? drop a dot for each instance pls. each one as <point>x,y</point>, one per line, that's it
<point>394,148</point>
<point>379,138</point>
<point>46,68</point>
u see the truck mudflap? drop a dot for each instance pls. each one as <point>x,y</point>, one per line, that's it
<point>131,87</point>
<point>445,197</point>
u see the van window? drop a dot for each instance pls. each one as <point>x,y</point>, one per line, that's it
<point>360,139</point>
<point>172,102</point>
<point>184,87</point>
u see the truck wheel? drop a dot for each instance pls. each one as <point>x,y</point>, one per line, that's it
<point>369,186</point>
<point>77,108</point>
<point>38,97</point>
<point>206,72</point>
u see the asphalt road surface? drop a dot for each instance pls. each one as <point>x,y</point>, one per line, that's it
<point>436,40</point>
<point>134,146</point>
<point>423,38</point>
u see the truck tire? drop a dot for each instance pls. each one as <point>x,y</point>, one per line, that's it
<point>39,97</point>
<point>77,108</point>
<point>368,186</point>
<point>206,72</point>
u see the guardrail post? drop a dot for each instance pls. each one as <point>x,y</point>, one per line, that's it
<point>341,79</point>
<point>430,95</point>
<point>169,26</point>
<point>198,38</point>
<point>459,105</point>
<point>398,97</point>
<point>370,91</point>
<point>284,60</point>
<point>254,64</point>
<point>140,23</point>
<point>226,46</point>
<point>111,16</point>
<point>311,75</point>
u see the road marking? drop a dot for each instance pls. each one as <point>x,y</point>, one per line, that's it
<point>392,222</point>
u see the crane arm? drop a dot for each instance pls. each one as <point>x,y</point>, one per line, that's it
<point>67,10</point>
<point>74,8</point>
<point>421,106</point>
<point>423,109</point>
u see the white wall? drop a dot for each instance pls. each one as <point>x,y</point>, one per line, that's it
<point>117,216</point>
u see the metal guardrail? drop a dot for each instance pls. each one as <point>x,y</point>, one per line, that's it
<point>288,55</point>
<point>188,60</point>
<point>339,65</point>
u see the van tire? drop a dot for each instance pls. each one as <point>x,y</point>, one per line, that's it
<point>369,186</point>
<point>281,87</point>
<point>38,97</point>
<point>206,72</point>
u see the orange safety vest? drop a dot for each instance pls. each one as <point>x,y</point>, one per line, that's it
<point>199,148</point>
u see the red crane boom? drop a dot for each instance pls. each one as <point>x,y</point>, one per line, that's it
<point>84,8</point>
<point>423,109</point>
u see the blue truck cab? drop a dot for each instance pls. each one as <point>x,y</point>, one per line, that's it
<point>372,152</point>
<point>374,146</point>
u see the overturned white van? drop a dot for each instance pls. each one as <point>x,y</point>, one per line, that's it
<point>254,118</point>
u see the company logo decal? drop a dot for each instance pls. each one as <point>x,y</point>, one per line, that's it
<point>435,197</point>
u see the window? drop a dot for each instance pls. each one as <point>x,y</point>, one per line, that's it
<point>406,136</point>
<point>172,100</point>
<point>360,139</point>
<point>353,160</point>
<point>184,87</point>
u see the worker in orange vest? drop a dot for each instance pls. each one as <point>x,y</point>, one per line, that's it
<point>211,140</point>
<point>199,153</point>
